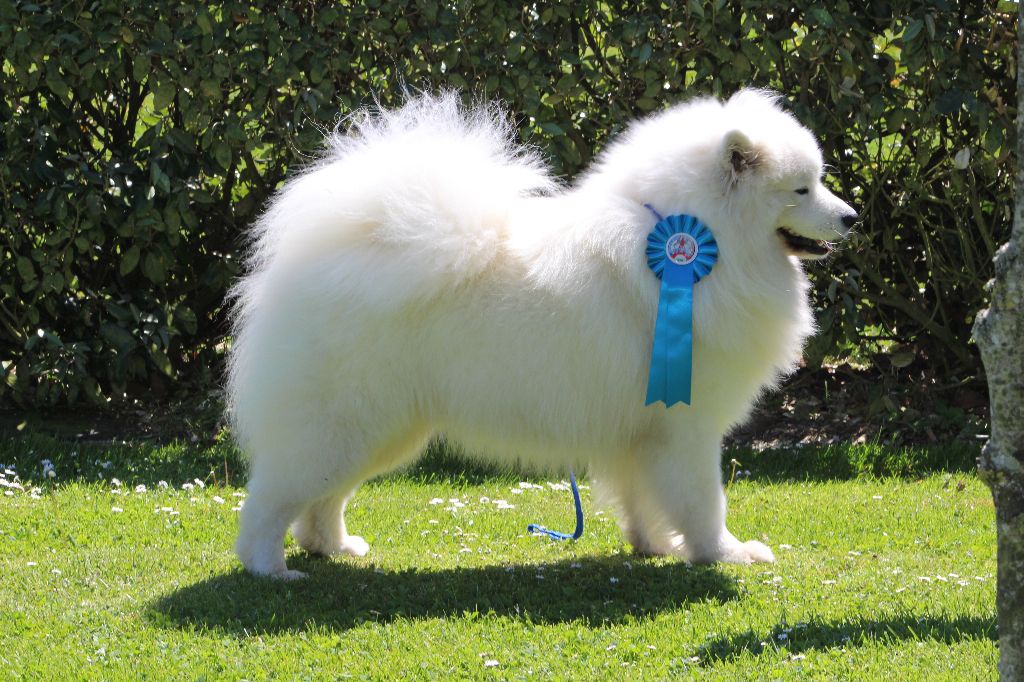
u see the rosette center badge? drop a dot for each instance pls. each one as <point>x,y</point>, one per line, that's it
<point>682,248</point>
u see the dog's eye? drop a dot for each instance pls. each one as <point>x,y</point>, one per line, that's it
<point>802,190</point>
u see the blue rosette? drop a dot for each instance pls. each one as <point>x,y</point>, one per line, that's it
<point>680,251</point>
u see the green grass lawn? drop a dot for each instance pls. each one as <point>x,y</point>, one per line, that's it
<point>878,576</point>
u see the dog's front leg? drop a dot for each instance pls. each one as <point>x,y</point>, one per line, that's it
<point>686,486</point>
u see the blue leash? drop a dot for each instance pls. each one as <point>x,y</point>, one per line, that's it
<point>554,534</point>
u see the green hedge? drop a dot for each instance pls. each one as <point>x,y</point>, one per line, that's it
<point>141,137</point>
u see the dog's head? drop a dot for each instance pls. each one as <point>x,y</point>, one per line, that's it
<point>745,167</point>
<point>772,167</point>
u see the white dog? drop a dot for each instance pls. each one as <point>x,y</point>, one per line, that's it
<point>430,276</point>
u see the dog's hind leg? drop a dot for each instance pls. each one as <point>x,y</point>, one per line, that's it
<point>271,505</point>
<point>320,528</point>
<point>286,477</point>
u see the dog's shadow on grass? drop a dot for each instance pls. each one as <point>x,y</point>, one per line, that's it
<point>805,637</point>
<point>339,595</point>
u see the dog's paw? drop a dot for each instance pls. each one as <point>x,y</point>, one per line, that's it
<point>264,561</point>
<point>728,550</point>
<point>282,573</point>
<point>353,545</point>
<point>752,551</point>
<point>758,552</point>
<point>288,574</point>
<point>657,545</point>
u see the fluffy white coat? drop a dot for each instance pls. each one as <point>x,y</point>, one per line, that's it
<point>430,276</point>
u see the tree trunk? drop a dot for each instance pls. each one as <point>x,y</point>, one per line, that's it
<point>999,332</point>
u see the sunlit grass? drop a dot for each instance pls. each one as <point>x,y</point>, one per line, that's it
<point>129,579</point>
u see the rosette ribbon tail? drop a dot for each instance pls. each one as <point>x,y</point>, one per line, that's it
<point>671,370</point>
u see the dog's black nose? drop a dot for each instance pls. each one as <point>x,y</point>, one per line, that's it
<point>850,219</point>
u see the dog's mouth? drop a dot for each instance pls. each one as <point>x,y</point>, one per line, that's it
<point>804,247</point>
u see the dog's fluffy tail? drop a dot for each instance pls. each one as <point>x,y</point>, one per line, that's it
<point>431,182</point>
<point>405,205</point>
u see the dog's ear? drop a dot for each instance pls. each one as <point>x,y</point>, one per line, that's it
<point>739,154</point>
